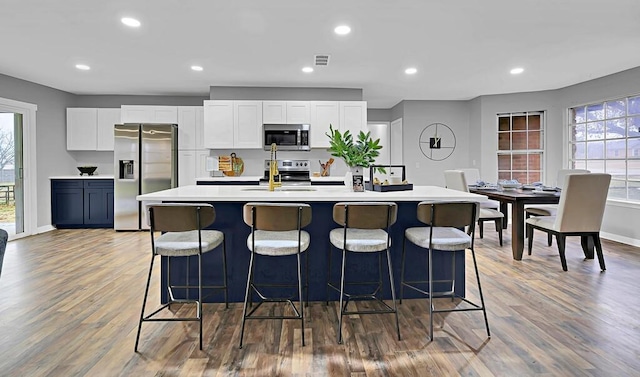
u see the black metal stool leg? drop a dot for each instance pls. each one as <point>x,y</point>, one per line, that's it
<point>246,297</point>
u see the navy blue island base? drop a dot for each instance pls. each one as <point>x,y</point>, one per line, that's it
<point>282,269</point>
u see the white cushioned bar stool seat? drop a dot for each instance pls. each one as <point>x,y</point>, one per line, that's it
<point>360,240</point>
<point>443,234</point>
<point>364,229</point>
<point>276,231</point>
<point>183,236</point>
<point>446,239</point>
<point>175,244</point>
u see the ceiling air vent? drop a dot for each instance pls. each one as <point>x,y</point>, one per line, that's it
<point>322,59</point>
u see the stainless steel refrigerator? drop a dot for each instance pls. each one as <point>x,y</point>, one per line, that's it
<point>145,160</point>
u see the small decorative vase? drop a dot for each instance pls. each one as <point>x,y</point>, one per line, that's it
<point>357,178</point>
<point>348,180</point>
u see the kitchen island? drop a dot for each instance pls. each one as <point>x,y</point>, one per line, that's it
<point>228,201</point>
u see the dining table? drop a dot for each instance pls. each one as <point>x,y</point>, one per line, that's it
<point>518,198</point>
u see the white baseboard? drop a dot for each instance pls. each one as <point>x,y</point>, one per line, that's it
<point>621,239</point>
<point>46,228</point>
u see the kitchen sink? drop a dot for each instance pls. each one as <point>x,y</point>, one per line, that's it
<point>285,189</point>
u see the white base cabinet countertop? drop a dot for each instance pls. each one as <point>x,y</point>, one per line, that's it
<point>95,176</point>
<point>305,194</point>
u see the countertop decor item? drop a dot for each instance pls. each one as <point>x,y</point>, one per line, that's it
<point>401,184</point>
<point>237,167</point>
<point>88,170</point>
<point>326,167</point>
<point>359,152</point>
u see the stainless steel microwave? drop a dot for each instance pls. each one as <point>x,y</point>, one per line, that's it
<point>287,137</point>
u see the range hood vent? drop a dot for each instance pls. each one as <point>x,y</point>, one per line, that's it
<point>322,59</point>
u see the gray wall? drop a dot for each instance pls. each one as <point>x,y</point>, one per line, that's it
<point>251,93</point>
<point>52,157</point>
<point>106,101</point>
<point>416,116</point>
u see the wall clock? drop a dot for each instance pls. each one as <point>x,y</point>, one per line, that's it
<point>437,141</point>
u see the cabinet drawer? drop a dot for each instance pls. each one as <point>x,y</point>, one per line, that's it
<point>66,183</point>
<point>98,183</point>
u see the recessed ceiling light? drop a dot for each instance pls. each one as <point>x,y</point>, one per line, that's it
<point>307,69</point>
<point>196,68</point>
<point>83,67</point>
<point>410,71</point>
<point>342,30</point>
<point>517,71</point>
<point>132,22</point>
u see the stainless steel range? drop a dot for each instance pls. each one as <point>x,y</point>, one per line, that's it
<point>292,172</point>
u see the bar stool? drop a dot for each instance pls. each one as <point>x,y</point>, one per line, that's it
<point>276,231</point>
<point>365,229</point>
<point>442,234</point>
<point>184,236</point>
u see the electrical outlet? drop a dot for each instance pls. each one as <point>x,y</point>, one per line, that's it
<point>417,165</point>
<point>473,163</point>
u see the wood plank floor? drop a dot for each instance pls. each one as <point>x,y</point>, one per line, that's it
<point>70,299</point>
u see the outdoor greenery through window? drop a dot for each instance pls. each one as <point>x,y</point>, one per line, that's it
<point>605,138</point>
<point>520,146</point>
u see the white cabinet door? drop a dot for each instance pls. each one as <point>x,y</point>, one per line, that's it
<point>187,123</point>
<point>191,166</point>
<point>353,116</point>
<point>186,168</point>
<point>82,129</point>
<point>165,114</point>
<point>201,165</point>
<point>149,114</point>
<point>247,119</point>
<point>136,114</point>
<point>199,127</point>
<point>274,112</point>
<point>107,118</point>
<point>298,112</point>
<point>218,124</point>
<point>323,114</point>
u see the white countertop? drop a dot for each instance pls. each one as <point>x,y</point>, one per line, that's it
<point>95,176</point>
<point>304,194</point>
<point>331,178</point>
<point>242,178</point>
<point>245,178</point>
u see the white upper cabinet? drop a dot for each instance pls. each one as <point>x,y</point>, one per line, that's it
<point>232,124</point>
<point>247,119</point>
<point>286,112</point>
<point>353,116</point>
<point>274,112</point>
<point>91,129</point>
<point>107,118</point>
<point>190,127</point>
<point>82,129</point>
<point>218,124</point>
<point>323,114</point>
<point>149,114</point>
<point>298,112</point>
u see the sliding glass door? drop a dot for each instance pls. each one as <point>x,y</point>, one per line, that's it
<point>11,173</point>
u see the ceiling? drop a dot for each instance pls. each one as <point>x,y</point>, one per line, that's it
<point>462,49</point>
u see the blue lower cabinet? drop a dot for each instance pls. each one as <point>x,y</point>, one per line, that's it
<point>82,203</point>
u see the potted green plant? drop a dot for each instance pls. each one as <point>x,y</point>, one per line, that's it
<point>358,153</point>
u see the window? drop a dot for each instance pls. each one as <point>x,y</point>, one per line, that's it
<point>520,146</point>
<point>605,137</point>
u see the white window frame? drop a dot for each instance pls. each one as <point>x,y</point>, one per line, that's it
<point>583,162</point>
<point>511,152</point>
